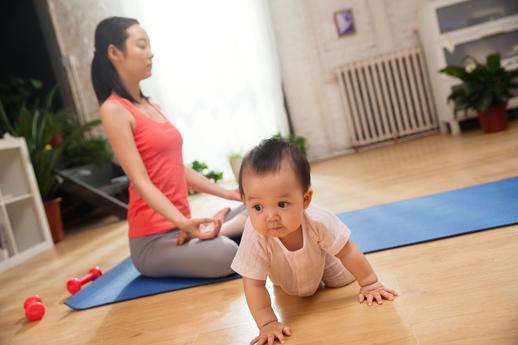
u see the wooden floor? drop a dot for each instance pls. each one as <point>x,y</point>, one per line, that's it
<point>462,290</point>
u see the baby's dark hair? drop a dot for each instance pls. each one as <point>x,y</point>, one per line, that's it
<point>267,157</point>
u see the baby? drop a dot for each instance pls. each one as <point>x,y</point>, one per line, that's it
<point>296,245</point>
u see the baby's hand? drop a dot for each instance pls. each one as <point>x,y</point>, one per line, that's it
<point>376,291</point>
<point>271,331</point>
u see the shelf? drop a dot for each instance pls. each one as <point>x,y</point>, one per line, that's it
<point>449,30</point>
<point>462,15</point>
<point>22,215</point>
<point>504,42</point>
<point>12,199</point>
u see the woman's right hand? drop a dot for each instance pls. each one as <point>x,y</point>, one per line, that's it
<point>201,228</point>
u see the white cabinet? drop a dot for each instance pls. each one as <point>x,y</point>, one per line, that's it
<point>24,227</point>
<point>452,29</point>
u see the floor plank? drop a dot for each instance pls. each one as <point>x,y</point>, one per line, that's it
<point>460,290</point>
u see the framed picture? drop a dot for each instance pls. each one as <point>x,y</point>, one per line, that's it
<point>344,22</point>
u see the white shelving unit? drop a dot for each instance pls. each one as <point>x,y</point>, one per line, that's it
<point>452,29</point>
<point>22,216</point>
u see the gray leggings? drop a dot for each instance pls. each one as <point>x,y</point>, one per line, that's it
<point>158,255</point>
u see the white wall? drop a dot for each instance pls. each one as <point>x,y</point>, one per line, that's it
<point>70,42</point>
<point>309,49</point>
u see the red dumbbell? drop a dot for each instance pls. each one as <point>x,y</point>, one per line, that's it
<point>34,308</point>
<point>75,284</point>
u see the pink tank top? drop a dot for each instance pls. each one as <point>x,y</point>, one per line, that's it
<point>160,147</point>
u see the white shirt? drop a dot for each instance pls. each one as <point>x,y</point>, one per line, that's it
<point>299,272</point>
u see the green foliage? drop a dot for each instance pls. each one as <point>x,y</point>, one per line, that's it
<point>300,142</point>
<point>484,86</point>
<point>48,133</point>
<point>16,92</point>
<point>83,150</point>
<point>203,169</point>
<point>235,155</point>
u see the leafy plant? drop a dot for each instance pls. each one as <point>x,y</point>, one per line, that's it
<point>83,150</point>
<point>234,155</point>
<point>16,92</point>
<point>45,134</point>
<point>203,169</point>
<point>300,142</point>
<point>483,85</point>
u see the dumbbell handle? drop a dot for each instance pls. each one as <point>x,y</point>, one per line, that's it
<point>75,284</point>
<point>86,278</point>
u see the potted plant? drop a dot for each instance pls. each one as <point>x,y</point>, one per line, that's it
<point>486,89</point>
<point>46,137</point>
<point>203,169</point>
<point>294,139</point>
<point>235,159</point>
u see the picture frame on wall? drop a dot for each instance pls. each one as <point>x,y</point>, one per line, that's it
<point>344,22</point>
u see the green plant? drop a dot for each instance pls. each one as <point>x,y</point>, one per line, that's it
<point>16,92</point>
<point>83,150</point>
<point>300,142</point>
<point>483,85</point>
<point>203,169</point>
<point>234,155</point>
<point>43,130</point>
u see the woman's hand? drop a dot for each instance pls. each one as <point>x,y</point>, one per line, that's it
<point>271,331</point>
<point>376,291</point>
<point>233,194</point>
<point>201,228</point>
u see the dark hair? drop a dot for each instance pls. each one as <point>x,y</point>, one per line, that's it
<point>105,79</point>
<point>268,156</point>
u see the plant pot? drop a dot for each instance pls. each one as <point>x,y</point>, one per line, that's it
<point>53,212</point>
<point>494,119</point>
<point>235,164</point>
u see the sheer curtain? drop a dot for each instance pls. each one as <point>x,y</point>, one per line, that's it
<point>215,73</point>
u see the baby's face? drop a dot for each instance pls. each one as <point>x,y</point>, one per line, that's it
<point>275,201</point>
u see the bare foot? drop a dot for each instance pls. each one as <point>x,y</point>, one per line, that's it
<point>220,215</point>
<point>234,226</point>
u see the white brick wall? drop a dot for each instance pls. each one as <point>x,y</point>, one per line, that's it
<point>74,23</point>
<point>309,49</point>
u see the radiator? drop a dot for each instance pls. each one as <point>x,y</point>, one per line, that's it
<point>387,97</point>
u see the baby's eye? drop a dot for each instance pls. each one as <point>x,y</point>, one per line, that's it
<point>258,207</point>
<point>283,204</point>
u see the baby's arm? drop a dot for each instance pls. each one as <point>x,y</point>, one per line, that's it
<point>260,306</point>
<point>371,288</point>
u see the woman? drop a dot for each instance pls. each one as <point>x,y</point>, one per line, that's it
<point>164,240</point>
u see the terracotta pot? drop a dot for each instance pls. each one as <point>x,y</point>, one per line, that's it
<point>236,165</point>
<point>53,211</point>
<point>494,119</point>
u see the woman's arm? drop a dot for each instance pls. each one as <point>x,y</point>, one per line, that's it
<point>201,184</point>
<point>118,123</point>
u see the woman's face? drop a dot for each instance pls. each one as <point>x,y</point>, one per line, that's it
<point>136,61</point>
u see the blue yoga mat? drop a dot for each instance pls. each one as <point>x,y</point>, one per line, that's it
<point>124,282</point>
<point>433,217</point>
<point>373,229</point>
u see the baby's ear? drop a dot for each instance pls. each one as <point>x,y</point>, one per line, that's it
<point>307,198</point>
